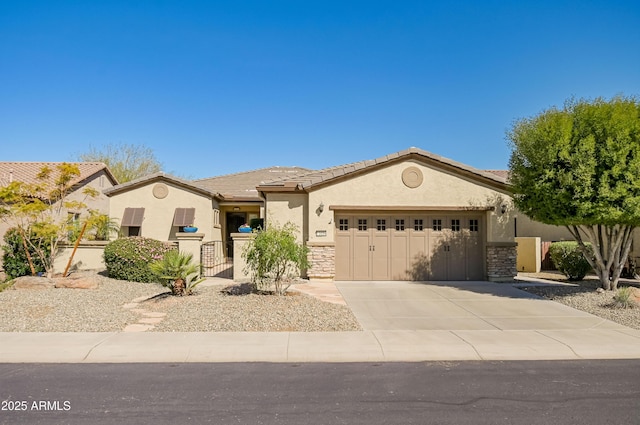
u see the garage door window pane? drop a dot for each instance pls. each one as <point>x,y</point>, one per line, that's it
<point>362,224</point>
<point>418,225</point>
<point>437,225</point>
<point>400,225</point>
<point>343,224</point>
<point>381,225</point>
<point>473,225</point>
<point>455,225</point>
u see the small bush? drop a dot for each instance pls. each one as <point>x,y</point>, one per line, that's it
<point>176,272</point>
<point>569,259</point>
<point>129,258</point>
<point>14,259</point>
<point>624,298</point>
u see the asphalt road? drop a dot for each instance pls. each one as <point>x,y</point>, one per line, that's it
<point>527,393</point>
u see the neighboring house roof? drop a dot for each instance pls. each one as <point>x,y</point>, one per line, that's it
<point>330,175</point>
<point>158,177</point>
<point>242,186</point>
<point>27,172</point>
<point>502,173</point>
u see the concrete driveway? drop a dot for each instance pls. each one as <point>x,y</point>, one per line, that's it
<point>475,306</point>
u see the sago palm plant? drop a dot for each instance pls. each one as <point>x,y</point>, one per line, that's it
<point>176,272</point>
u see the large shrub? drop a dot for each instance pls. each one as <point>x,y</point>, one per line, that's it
<point>14,258</point>
<point>570,260</point>
<point>129,258</point>
<point>275,258</point>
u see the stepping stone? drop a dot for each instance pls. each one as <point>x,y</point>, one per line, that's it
<point>153,314</point>
<point>151,320</point>
<point>137,327</point>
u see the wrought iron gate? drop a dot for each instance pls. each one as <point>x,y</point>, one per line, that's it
<point>214,261</point>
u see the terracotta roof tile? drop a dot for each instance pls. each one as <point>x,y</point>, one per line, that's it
<point>309,179</point>
<point>502,173</point>
<point>243,185</point>
<point>27,171</point>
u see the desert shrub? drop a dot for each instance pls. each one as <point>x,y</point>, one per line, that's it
<point>14,258</point>
<point>275,258</point>
<point>177,272</point>
<point>570,260</point>
<point>624,298</point>
<point>129,258</point>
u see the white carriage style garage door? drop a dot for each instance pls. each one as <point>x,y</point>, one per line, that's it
<point>409,246</point>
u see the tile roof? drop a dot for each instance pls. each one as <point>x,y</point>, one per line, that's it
<point>160,176</point>
<point>27,171</point>
<point>240,186</point>
<point>502,173</point>
<point>308,180</point>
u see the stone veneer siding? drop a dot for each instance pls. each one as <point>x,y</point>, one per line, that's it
<point>501,261</point>
<point>322,261</point>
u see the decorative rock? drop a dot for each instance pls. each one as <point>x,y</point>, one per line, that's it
<point>635,295</point>
<point>76,283</point>
<point>33,282</point>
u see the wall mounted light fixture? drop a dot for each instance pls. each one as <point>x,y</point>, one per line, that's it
<point>321,206</point>
<point>503,209</point>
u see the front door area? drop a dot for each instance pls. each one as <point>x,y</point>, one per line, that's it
<point>409,246</point>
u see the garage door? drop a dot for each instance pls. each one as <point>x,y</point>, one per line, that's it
<point>409,247</point>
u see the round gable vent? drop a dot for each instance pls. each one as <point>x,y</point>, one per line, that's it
<point>160,190</point>
<point>412,177</point>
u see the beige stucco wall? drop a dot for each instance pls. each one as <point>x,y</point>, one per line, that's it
<point>158,213</point>
<point>88,256</point>
<point>384,187</point>
<point>288,207</point>
<point>528,250</point>
<point>528,228</point>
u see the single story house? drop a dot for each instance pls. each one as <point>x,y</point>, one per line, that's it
<point>407,215</point>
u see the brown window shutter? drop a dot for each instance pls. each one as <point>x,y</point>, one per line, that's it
<point>184,217</point>
<point>132,217</point>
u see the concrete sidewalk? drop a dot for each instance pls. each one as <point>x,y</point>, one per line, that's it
<point>402,322</point>
<point>365,346</point>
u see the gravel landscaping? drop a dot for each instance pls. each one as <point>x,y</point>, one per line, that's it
<point>103,310</point>
<point>583,295</point>
<point>212,310</point>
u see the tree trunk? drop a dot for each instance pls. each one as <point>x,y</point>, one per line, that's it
<point>611,246</point>
<point>26,251</point>
<point>178,287</point>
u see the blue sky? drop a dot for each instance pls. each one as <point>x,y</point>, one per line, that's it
<point>219,87</point>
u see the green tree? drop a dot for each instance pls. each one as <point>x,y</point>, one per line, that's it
<point>39,210</point>
<point>125,161</point>
<point>579,167</point>
<point>274,257</point>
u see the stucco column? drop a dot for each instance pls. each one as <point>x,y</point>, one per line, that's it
<point>529,255</point>
<point>190,243</point>
<point>240,241</point>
